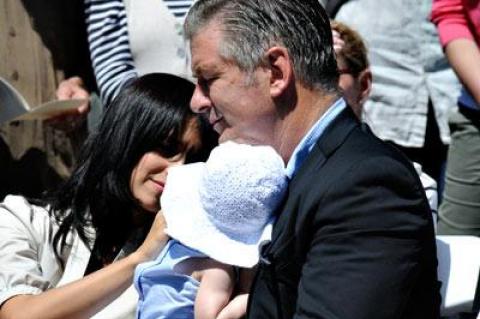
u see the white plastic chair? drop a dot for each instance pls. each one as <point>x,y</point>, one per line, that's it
<point>459,270</point>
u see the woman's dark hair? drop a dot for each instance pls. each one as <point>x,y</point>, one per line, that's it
<point>151,113</point>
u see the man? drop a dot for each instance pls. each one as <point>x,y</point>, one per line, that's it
<point>354,238</point>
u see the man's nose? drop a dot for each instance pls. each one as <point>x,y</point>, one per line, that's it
<point>200,102</point>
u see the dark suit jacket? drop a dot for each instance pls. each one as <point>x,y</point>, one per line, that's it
<point>354,238</point>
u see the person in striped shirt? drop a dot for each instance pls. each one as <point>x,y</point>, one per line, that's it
<point>128,39</point>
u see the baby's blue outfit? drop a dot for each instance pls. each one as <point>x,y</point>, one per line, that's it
<point>163,293</point>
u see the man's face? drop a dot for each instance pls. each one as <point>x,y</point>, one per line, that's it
<point>237,104</point>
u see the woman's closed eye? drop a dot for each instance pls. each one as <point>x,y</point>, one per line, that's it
<point>169,151</point>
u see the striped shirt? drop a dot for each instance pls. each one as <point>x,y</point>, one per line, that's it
<point>179,8</point>
<point>110,53</point>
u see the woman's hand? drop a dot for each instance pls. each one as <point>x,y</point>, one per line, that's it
<point>155,240</point>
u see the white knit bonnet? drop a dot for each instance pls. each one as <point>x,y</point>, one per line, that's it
<point>224,207</point>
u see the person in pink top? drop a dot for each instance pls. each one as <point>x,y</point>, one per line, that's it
<point>458,23</point>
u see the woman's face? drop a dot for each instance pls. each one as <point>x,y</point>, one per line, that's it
<point>150,174</point>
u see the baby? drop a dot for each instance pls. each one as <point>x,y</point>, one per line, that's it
<point>218,214</point>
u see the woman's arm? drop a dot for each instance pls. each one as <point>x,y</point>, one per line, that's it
<point>85,297</point>
<point>463,53</point>
<point>464,57</point>
<point>80,299</point>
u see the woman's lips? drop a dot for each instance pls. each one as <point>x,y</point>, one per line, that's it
<point>159,185</point>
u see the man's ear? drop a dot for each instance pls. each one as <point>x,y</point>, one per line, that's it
<point>281,70</point>
<point>365,78</point>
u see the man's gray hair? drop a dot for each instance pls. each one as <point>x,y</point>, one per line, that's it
<point>251,27</point>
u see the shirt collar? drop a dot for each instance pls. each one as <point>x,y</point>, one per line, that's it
<point>308,141</point>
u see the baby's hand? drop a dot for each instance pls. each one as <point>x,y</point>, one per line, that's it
<point>236,308</point>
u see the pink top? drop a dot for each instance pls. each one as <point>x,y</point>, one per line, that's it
<point>457,19</point>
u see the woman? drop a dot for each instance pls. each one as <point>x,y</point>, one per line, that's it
<point>458,23</point>
<point>105,207</point>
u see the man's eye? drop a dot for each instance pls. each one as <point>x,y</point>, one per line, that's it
<point>205,83</point>
<point>202,83</point>
<point>208,81</point>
